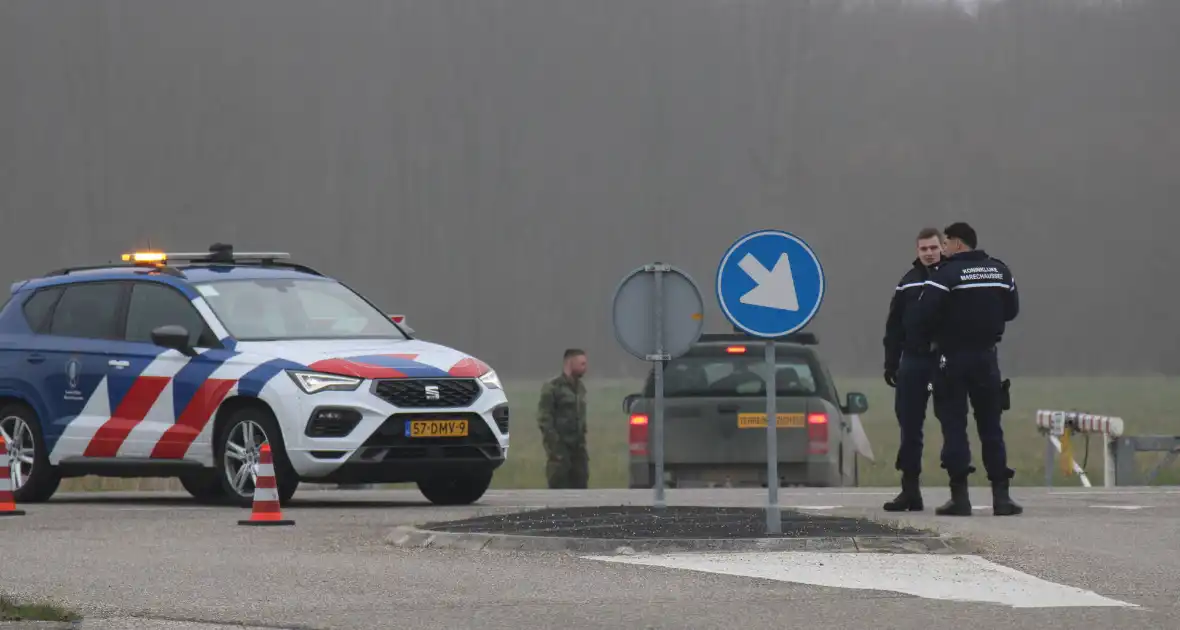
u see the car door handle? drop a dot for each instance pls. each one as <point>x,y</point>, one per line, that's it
<point>36,358</point>
<point>118,364</point>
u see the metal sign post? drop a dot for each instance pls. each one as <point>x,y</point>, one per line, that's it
<point>659,358</point>
<point>774,517</point>
<point>658,316</point>
<point>770,284</point>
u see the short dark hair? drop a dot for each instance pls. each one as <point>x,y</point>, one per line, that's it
<point>963,232</point>
<point>573,352</point>
<point>928,232</point>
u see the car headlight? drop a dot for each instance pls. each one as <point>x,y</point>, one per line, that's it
<point>312,382</point>
<point>491,380</point>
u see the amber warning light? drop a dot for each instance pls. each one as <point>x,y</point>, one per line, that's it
<point>736,349</point>
<point>156,257</point>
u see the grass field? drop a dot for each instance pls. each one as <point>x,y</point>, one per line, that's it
<point>1148,405</point>
<point>13,610</point>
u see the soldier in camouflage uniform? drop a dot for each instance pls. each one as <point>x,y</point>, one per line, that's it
<point>561,415</point>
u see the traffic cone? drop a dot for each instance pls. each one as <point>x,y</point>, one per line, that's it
<point>7,501</point>
<point>266,493</point>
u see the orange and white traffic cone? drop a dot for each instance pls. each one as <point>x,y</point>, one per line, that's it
<point>266,493</point>
<point>7,500</point>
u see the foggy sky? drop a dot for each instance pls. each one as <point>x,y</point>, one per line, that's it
<point>492,168</point>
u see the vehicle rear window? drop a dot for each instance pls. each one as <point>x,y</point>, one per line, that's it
<point>734,376</point>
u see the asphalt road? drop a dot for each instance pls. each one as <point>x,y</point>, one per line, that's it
<point>132,560</point>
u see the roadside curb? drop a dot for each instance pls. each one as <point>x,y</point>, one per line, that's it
<point>39,625</point>
<point>408,536</point>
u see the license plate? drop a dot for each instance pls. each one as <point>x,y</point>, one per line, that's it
<point>436,428</point>
<point>758,420</point>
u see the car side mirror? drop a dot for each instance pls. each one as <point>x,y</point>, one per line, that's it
<point>857,403</point>
<point>628,401</point>
<point>174,337</point>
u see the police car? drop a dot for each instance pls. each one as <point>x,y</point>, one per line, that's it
<point>182,365</point>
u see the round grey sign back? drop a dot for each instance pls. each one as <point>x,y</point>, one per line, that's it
<point>635,310</point>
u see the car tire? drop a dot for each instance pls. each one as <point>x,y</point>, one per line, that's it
<point>460,489</point>
<point>23,431</point>
<point>205,486</point>
<point>259,422</point>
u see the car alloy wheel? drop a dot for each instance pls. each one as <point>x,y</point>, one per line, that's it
<point>243,448</point>
<point>22,449</point>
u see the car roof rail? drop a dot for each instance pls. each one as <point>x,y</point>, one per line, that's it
<point>145,267</point>
<point>219,254</point>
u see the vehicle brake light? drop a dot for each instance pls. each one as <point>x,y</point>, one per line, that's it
<point>397,319</point>
<point>736,349</point>
<point>637,436</point>
<point>817,434</point>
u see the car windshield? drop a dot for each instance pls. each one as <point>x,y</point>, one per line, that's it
<point>272,309</point>
<point>734,376</point>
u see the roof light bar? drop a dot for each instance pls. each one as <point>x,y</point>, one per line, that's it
<point>218,252</point>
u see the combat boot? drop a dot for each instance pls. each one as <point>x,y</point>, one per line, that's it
<point>1002,504</point>
<point>910,498</point>
<point>960,503</point>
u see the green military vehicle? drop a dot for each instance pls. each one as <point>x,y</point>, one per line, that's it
<point>715,417</point>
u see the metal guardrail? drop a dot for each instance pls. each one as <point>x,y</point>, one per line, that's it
<point>1125,447</point>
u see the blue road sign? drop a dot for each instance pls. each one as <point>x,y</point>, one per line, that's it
<point>770,283</point>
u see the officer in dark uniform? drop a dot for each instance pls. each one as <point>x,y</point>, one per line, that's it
<point>963,311</point>
<point>910,368</point>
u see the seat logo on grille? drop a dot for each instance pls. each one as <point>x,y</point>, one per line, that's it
<point>431,392</point>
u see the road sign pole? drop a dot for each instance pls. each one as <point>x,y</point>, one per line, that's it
<point>658,420</point>
<point>774,519</point>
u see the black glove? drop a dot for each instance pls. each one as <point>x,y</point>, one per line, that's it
<point>891,377</point>
<point>1005,396</point>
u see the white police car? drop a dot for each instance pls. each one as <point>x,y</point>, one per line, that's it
<point>182,365</point>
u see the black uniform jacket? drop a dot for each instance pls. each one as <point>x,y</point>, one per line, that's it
<point>966,303</point>
<point>905,296</point>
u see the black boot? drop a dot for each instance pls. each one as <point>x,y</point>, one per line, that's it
<point>1002,504</point>
<point>960,503</point>
<point>910,498</point>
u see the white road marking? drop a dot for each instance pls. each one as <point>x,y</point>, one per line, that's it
<point>813,507</point>
<point>960,578</point>
<point>1120,507</point>
<point>1088,492</point>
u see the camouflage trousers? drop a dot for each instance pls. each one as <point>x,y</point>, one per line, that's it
<point>568,466</point>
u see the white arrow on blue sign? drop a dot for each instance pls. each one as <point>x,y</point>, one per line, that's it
<point>770,283</point>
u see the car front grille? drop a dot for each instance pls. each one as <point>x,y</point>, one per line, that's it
<point>420,393</point>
